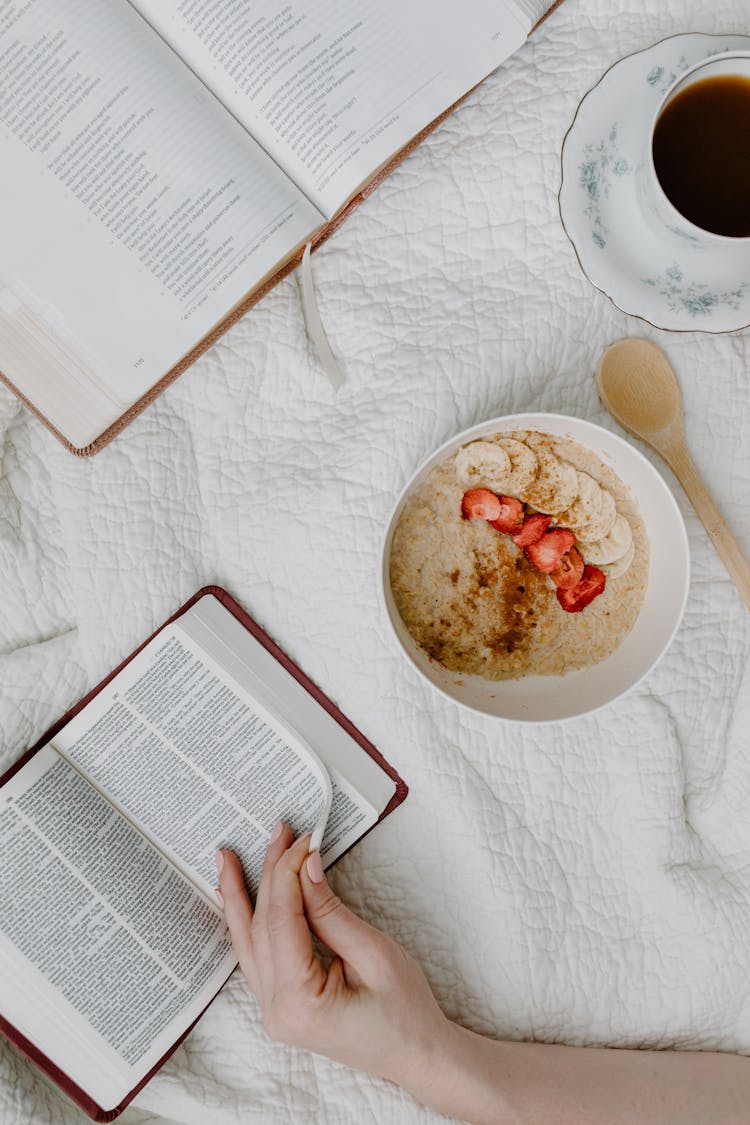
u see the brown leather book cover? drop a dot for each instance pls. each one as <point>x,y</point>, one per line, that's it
<point>79,1096</point>
<point>251,299</point>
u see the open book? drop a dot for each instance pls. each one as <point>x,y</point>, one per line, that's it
<point>164,162</point>
<point>111,942</point>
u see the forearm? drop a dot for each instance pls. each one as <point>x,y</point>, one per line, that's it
<point>372,1008</point>
<point>500,1083</point>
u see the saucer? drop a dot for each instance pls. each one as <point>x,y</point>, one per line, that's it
<point>646,270</point>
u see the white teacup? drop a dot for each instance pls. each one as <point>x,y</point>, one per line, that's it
<point>655,202</point>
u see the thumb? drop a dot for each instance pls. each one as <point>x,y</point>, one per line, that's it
<point>341,930</point>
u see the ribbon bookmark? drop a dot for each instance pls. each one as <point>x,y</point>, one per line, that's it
<point>316,333</point>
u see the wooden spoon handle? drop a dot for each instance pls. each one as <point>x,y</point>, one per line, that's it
<point>728,548</point>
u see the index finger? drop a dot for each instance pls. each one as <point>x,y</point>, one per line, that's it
<point>291,940</point>
<point>238,913</point>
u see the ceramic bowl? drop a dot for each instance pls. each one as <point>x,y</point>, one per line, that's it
<point>553,698</point>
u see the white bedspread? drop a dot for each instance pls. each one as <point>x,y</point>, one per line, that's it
<point>586,883</point>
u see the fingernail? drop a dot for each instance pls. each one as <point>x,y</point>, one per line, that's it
<point>277,832</point>
<point>315,867</point>
<point>219,861</point>
<point>219,897</point>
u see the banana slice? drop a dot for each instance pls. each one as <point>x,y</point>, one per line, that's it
<point>483,464</point>
<point>585,508</point>
<point>600,526</point>
<point>553,499</point>
<point>524,466</point>
<point>610,549</point>
<point>617,569</point>
<point>568,489</point>
<point>565,491</point>
<point>542,491</point>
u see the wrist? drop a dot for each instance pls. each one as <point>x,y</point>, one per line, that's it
<point>463,1075</point>
<point>422,1060</point>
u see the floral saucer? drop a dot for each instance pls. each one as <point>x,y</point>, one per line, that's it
<point>645,270</point>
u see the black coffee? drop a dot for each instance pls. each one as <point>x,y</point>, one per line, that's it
<point>702,154</point>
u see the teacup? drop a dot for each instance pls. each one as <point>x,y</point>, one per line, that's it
<point>654,200</point>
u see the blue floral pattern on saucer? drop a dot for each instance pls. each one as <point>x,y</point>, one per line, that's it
<point>692,297</point>
<point>594,176</point>
<point>649,271</point>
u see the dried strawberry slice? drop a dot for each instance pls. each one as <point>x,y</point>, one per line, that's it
<point>591,585</point>
<point>480,504</point>
<point>546,553</point>
<point>533,529</point>
<point>569,571</point>
<point>511,515</point>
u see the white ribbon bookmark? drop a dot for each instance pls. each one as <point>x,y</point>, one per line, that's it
<point>316,333</point>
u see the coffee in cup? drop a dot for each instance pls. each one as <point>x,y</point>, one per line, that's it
<point>695,178</point>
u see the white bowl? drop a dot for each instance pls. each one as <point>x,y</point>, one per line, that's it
<point>552,698</point>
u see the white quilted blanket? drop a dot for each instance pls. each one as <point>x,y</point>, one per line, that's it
<point>586,883</point>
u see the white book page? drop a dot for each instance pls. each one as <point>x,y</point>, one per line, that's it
<point>195,762</point>
<point>107,953</point>
<point>361,789</point>
<point>135,212</point>
<point>333,88</point>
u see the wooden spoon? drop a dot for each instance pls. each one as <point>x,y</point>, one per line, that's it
<point>640,390</point>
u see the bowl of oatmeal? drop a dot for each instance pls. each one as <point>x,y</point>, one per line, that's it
<point>535,567</point>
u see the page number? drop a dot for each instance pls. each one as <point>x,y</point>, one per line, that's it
<point>139,362</point>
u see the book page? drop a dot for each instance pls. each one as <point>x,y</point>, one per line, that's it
<point>107,953</point>
<point>332,90</point>
<point>195,762</point>
<point>361,787</point>
<point>135,212</point>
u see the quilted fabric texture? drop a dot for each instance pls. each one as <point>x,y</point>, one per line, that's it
<point>586,883</point>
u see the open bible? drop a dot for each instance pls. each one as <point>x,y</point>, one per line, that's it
<point>166,161</point>
<point>111,941</point>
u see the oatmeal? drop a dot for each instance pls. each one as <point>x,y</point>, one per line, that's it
<point>476,601</point>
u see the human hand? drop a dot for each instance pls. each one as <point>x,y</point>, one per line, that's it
<point>371,1009</point>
